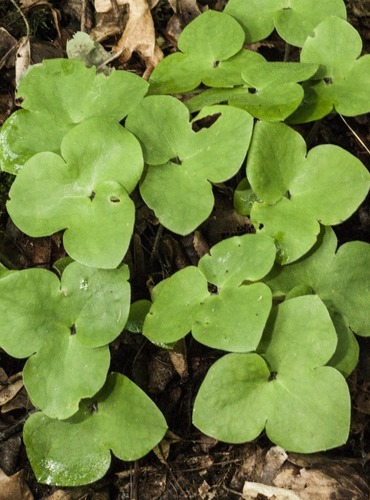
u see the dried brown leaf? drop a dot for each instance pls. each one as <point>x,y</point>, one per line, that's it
<point>14,487</point>
<point>10,387</point>
<point>139,36</point>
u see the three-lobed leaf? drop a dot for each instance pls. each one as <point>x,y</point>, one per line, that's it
<point>211,53</point>
<point>59,94</point>
<point>64,328</point>
<point>296,191</point>
<point>284,388</point>
<point>343,79</point>
<point>121,418</point>
<point>293,20</point>
<point>232,319</point>
<point>269,92</point>
<point>182,163</point>
<point>85,191</point>
<point>328,272</point>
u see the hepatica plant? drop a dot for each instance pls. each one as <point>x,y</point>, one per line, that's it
<point>275,305</point>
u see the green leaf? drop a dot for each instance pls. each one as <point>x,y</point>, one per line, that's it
<point>181,163</point>
<point>296,191</point>
<point>73,452</point>
<point>346,75</point>
<point>328,273</point>
<point>84,191</point>
<point>64,327</point>
<point>210,53</point>
<point>270,91</point>
<point>232,318</point>
<point>172,314</point>
<point>293,20</point>
<point>83,48</point>
<point>284,389</point>
<point>59,94</point>
<point>138,312</point>
<point>237,259</point>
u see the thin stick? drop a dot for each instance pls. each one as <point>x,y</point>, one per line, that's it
<point>356,135</point>
<point>23,17</point>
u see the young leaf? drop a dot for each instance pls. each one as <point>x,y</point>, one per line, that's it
<point>120,418</point>
<point>212,53</point>
<point>270,91</point>
<point>285,388</point>
<point>182,162</point>
<point>85,191</point>
<point>296,191</point>
<point>233,318</point>
<point>345,75</point>
<point>59,94</point>
<point>64,327</point>
<point>172,313</point>
<point>328,272</point>
<point>294,21</point>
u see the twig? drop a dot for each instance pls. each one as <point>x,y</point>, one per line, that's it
<point>28,31</point>
<point>356,135</point>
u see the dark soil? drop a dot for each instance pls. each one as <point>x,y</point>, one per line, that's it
<point>192,465</point>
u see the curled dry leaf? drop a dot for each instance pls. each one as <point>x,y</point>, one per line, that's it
<point>139,33</point>
<point>14,487</point>
<point>9,386</point>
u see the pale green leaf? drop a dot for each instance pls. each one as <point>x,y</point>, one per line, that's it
<point>84,191</point>
<point>293,20</point>
<point>59,94</point>
<point>181,163</point>
<point>64,328</point>
<point>77,451</point>
<point>285,390</point>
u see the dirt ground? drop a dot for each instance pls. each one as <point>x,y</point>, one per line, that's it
<point>189,464</point>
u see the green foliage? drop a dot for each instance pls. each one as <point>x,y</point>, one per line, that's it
<point>76,451</point>
<point>269,92</point>
<point>343,79</point>
<point>64,328</point>
<point>232,319</point>
<point>85,191</point>
<point>284,388</point>
<point>181,163</point>
<point>211,53</point>
<point>328,274</point>
<point>76,165</point>
<point>51,110</point>
<point>296,191</point>
<point>294,20</point>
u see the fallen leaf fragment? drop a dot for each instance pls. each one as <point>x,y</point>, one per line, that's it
<point>14,487</point>
<point>255,490</point>
<point>23,59</point>
<point>139,33</point>
<point>139,36</point>
<point>9,386</point>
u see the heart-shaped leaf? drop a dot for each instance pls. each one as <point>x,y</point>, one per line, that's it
<point>284,389</point>
<point>345,84</point>
<point>59,94</point>
<point>269,90</point>
<point>211,52</point>
<point>182,162</point>
<point>232,318</point>
<point>293,20</point>
<point>85,191</point>
<point>295,191</point>
<point>328,273</point>
<point>120,418</point>
<point>64,327</point>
